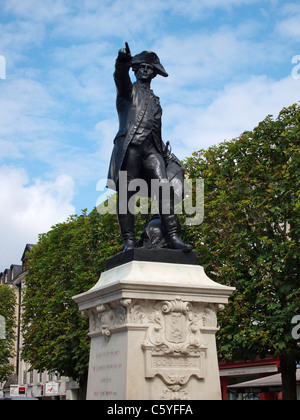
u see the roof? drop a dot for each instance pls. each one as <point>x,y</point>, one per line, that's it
<point>28,247</point>
<point>266,382</point>
<point>15,270</point>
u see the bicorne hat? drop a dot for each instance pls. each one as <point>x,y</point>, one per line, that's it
<point>151,58</point>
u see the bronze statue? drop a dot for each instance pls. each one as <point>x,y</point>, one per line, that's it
<point>138,146</point>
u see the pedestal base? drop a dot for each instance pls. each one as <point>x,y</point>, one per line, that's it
<point>152,329</point>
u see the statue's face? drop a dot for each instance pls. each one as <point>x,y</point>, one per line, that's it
<point>145,73</point>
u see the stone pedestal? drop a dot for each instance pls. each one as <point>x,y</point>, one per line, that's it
<point>152,329</point>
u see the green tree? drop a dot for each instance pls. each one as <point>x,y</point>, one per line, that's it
<point>250,238</point>
<point>7,332</point>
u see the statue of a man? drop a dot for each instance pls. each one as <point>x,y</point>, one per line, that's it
<point>138,147</point>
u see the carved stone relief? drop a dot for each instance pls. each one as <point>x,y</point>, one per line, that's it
<point>173,347</point>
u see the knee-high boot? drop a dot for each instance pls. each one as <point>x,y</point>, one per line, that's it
<point>126,222</point>
<point>172,227</point>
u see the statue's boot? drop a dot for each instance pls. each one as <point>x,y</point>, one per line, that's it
<point>126,222</point>
<point>172,227</point>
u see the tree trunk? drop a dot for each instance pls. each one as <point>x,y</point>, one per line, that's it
<point>82,387</point>
<point>288,375</point>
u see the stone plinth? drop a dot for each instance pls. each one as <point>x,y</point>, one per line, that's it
<point>152,329</point>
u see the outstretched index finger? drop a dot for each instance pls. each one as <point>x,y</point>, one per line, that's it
<point>127,48</point>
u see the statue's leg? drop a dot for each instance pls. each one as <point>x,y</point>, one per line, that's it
<point>130,170</point>
<point>126,222</point>
<point>155,166</point>
<point>172,227</point>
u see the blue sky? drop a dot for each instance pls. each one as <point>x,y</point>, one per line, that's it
<point>229,65</point>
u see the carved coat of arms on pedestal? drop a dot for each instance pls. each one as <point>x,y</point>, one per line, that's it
<point>174,347</point>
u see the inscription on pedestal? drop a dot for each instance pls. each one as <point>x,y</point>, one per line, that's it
<point>174,369</point>
<point>172,362</point>
<point>105,370</point>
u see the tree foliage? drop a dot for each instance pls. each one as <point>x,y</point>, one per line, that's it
<point>7,337</point>
<point>250,235</point>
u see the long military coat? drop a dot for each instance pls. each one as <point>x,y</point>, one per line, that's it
<point>132,104</point>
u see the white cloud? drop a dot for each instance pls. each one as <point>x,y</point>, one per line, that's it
<point>26,108</point>
<point>17,35</point>
<point>28,210</point>
<point>196,9</point>
<point>239,107</point>
<point>289,26</point>
<point>36,10</point>
<point>33,128</point>
<point>106,132</point>
<point>9,150</point>
<point>226,53</point>
<point>94,20</point>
